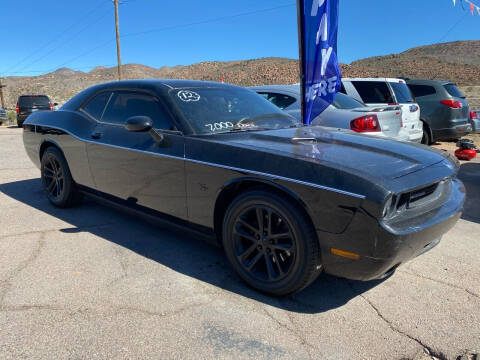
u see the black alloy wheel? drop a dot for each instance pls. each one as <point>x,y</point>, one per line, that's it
<point>54,177</point>
<point>57,180</point>
<point>264,243</point>
<point>270,244</point>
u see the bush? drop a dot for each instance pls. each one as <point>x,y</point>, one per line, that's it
<point>12,117</point>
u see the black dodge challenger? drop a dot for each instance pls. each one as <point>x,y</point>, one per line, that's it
<point>286,201</point>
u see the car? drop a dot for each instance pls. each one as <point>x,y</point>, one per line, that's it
<point>344,113</point>
<point>3,116</point>
<point>475,121</point>
<point>285,201</point>
<point>444,109</point>
<point>387,91</point>
<point>28,104</point>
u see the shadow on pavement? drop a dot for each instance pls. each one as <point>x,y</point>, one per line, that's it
<point>470,175</point>
<point>181,251</point>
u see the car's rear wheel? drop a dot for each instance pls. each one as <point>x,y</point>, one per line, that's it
<point>270,243</point>
<point>426,139</point>
<point>57,180</point>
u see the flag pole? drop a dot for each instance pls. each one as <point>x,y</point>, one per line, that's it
<point>300,23</point>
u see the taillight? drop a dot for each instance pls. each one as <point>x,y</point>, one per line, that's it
<point>18,109</point>
<point>473,115</point>
<point>367,123</point>
<point>414,108</point>
<point>453,104</point>
<point>51,106</point>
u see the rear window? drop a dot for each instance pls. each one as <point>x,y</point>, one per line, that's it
<point>402,92</point>
<point>28,101</point>
<point>343,101</point>
<point>374,91</point>
<point>453,90</point>
<point>280,100</point>
<point>422,90</point>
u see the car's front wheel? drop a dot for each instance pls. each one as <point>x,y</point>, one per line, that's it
<point>270,243</point>
<point>57,180</point>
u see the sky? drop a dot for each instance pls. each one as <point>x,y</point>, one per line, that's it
<point>40,36</point>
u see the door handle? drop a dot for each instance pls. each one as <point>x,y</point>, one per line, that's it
<point>96,135</point>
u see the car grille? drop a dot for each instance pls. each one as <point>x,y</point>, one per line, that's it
<point>424,196</point>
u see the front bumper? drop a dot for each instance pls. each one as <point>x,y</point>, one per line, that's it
<point>384,246</point>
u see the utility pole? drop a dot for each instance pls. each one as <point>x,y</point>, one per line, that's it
<point>119,59</point>
<point>1,93</point>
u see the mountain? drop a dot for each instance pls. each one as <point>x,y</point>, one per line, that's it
<point>457,61</point>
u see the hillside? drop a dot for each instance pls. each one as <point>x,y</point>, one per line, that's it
<point>457,61</point>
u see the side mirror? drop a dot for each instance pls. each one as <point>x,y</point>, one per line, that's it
<point>138,123</point>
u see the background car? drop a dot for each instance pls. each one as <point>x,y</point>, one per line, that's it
<point>387,91</point>
<point>475,121</point>
<point>3,116</point>
<point>28,104</point>
<point>444,109</point>
<point>345,112</point>
<point>285,201</point>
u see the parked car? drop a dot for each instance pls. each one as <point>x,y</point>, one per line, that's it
<point>28,104</point>
<point>344,113</point>
<point>444,109</point>
<point>286,201</point>
<point>387,91</point>
<point>475,121</point>
<point>3,116</point>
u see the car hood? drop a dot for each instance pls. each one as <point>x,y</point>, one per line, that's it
<point>374,158</point>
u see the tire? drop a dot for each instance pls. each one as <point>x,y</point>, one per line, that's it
<point>426,139</point>
<point>273,264</point>
<point>57,180</point>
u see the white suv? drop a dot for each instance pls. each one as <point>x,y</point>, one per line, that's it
<point>382,91</point>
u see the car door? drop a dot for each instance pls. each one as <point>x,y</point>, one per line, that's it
<point>137,166</point>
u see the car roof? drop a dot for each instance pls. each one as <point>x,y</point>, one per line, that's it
<point>163,83</point>
<point>376,79</point>
<point>33,95</point>
<point>293,88</point>
<point>429,82</point>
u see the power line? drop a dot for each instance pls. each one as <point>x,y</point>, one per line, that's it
<point>62,33</point>
<point>453,27</point>
<point>173,27</point>
<point>66,41</point>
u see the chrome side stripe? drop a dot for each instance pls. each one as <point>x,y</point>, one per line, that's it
<point>245,171</point>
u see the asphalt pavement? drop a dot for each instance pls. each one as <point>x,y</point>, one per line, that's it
<point>94,283</point>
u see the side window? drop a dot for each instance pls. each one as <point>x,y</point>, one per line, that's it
<point>374,91</point>
<point>96,106</point>
<point>124,105</point>
<point>342,89</point>
<point>422,90</point>
<point>280,100</point>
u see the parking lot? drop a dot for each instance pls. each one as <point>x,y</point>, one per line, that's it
<point>92,282</point>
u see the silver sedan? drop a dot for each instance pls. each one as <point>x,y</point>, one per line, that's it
<point>344,113</point>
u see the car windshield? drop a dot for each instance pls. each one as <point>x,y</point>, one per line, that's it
<point>454,91</point>
<point>402,92</point>
<point>29,101</point>
<point>343,101</point>
<point>213,110</point>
